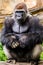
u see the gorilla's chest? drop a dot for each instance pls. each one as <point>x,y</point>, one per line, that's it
<point>19,29</point>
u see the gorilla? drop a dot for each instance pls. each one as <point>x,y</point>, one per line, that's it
<point>22,36</point>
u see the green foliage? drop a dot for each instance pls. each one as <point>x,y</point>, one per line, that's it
<point>2,55</point>
<point>41,55</point>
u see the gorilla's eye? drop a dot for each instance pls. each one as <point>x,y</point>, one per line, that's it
<point>19,12</point>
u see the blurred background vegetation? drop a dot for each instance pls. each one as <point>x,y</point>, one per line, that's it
<point>2,55</point>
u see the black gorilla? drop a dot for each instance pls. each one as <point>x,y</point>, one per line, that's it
<point>22,35</point>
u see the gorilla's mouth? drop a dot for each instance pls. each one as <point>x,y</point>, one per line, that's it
<point>19,18</point>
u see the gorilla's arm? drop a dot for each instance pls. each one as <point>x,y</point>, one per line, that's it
<point>6,30</point>
<point>36,27</point>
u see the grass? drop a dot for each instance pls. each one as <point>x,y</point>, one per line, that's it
<point>4,58</point>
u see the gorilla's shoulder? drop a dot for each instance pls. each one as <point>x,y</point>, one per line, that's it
<point>8,20</point>
<point>34,20</point>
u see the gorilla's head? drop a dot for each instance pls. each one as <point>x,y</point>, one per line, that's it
<point>20,12</point>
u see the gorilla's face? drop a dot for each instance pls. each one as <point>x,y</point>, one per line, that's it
<point>20,15</point>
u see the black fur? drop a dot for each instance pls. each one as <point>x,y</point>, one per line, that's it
<point>28,38</point>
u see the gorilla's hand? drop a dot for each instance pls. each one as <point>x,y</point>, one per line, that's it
<point>23,41</point>
<point>12,42</point>
<point>15,44</point>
